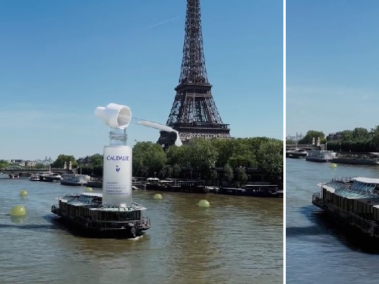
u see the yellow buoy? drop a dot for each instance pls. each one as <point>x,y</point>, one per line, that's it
<point>203,203</point>
<point>158,196</point>
<point>23,193</point>
<point>18,211</point>
<point>89,189</point>
<point>333,165</point>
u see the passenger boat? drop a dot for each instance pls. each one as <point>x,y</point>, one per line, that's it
<point>320,156</point>
<point>86,212</point>
<point>75,179</point>
<point>353,202</point>
<point>53,177</point>
<point>297,153</point>
<point>34,177</point>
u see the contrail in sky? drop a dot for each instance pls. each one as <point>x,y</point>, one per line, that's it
<point>161,23</point>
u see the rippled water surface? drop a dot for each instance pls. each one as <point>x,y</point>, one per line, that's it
<point>237,240</point>
<point>318,252</point>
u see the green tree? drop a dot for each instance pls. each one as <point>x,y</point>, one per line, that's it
<point>307,139</point>
<point>224,149</point>
<point>214,175</point>
<point>242,154</point>
<point>228,173</point>
<point>174,155</point>
<point>200,155</point>
<point>241,175</point>
<point>3,164</point>
<point>347,135</point>
<point>256,142</point>
<point>62,159</point>
<point>360,133</point>
<point>96,160</point>
<point>270,159</point>
<point>176,169</point>
<point>148,158</point>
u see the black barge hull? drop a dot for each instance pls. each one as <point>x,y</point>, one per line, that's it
<point>85,227</point>
<point>352,224</point>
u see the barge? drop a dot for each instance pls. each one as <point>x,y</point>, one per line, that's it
<point>254,190</point>
<point>86,212</point>
<point>352,202</point>
<point>188,186</point>
<point>357,159</point>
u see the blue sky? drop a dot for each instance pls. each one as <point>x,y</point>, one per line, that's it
<point>332,65</point>
<point>62,59</point>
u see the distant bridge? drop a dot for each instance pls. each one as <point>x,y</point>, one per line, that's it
<point>28,172</point>
<point>303,147</point>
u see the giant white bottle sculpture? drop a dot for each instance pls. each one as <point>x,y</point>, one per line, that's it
<point>117,172</point>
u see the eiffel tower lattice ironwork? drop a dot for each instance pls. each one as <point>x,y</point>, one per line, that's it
<point>194,112</point>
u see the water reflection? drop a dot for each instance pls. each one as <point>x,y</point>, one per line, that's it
<point>17,219</point>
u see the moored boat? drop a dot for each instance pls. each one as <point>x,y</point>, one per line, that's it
<point>75,179</point>
<point>188,186</point>
<point>254,190</point>
<point>53,177</point>
<point>357,159</point>
<point>353,202</point>
<point>297,153</point>
<point>320,156</point>
<point>34,177</point>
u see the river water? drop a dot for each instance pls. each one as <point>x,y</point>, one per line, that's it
<point>236,240</point>
<point>317,251</point>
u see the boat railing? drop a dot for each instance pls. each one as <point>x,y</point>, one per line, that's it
<point>316,196</point>
<point>342,179</point>
<point>145,221</point>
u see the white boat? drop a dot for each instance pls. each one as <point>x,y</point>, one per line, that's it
<point>75,179</point>
<point>296,153</point>
<point>34,177</point>
<point>43,175</point>
<point>320,156</point>
<point>53,177</point>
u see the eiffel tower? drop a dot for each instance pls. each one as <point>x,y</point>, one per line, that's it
<point>194,112</point>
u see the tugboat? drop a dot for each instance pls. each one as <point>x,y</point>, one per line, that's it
<point>353,202</point>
